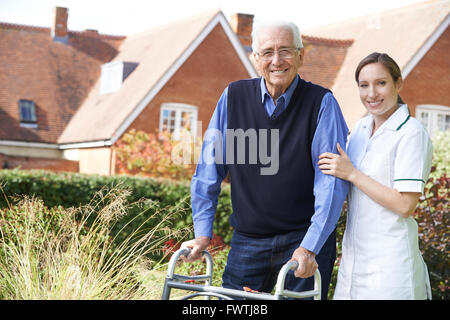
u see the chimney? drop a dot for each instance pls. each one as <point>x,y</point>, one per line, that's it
<point>59,25</point>
<point>242,25</point>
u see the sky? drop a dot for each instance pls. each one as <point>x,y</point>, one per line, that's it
<point>125,17</point>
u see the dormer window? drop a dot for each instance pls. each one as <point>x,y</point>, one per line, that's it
<point>27,111</point>
<point>113,74</point>
<point>111,77</point>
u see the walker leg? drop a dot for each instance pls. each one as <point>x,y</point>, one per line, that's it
<point>166,291</point>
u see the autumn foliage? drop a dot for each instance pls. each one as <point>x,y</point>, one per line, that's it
<point>432,217</point>
<point>157,154</point>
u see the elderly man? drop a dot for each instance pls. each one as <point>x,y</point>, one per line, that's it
<point>290,209</point>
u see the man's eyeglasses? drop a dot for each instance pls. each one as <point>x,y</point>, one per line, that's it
<point>286,53</point>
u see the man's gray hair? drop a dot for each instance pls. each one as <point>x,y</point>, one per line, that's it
<point>258,26</point>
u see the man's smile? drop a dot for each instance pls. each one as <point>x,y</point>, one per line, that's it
<point>279,71</point>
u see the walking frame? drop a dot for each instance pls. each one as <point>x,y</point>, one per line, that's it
<point>178,281</point>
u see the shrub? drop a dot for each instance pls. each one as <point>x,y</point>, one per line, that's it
<point>74,189</point>
<point>157,154</point>
<point>434,234</point>
<point>57,254</point>
<point>441,156</point>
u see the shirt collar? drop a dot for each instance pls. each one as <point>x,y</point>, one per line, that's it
<point>394,122</point>
<point>399,118</point>
<point>287,95</point>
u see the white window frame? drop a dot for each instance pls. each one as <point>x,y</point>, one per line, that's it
<point>179,108</point>
<point>433,112</point>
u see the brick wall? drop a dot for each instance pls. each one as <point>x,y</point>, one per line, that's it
<point>429,82</point>
<point>27,163</point>
<point>242,25</point>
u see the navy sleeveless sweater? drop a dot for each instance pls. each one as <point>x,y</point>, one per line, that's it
<point>265,205</point>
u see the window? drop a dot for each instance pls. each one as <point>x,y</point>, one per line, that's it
<point>434,117</point>
<point>27,111</point>
<point>111,77</point>
<point>113,74</point>
<point>175,116</point>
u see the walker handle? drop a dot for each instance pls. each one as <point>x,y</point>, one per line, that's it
<point>280,291</point>
<point>185,252</point>
<point>207,277</point>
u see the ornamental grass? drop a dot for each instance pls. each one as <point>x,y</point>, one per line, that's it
<point>67,254</point>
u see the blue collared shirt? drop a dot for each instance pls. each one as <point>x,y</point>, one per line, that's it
<point>329,191</point>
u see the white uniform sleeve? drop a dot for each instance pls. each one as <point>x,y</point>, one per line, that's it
<point>412,163</point>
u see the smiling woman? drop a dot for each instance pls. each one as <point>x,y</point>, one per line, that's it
<point>388,163</point>
<point>379,81</point>
<point>378,92</point>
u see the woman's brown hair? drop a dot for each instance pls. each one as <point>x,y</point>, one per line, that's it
<point>386,61</point>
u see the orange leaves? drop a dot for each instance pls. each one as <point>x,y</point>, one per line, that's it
<point>156,154</point>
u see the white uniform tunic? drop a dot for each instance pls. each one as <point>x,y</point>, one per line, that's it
<point>380,251</point>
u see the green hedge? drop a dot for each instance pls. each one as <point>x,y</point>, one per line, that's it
<point>74,189</point>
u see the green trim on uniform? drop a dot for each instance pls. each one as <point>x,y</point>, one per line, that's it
<point>409,179</point>
<point>407,118</point>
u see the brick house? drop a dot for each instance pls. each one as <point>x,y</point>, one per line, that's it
<point>67,97</point>
<point>417,37</point>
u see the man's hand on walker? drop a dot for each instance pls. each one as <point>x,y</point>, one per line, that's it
<point>197,246</point>
<point>307,264</point>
